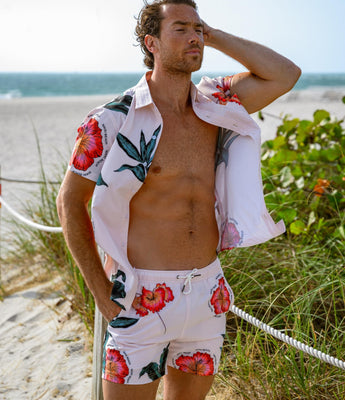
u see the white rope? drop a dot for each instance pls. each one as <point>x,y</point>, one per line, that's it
<point>27,221</point>
<point>292,342</point>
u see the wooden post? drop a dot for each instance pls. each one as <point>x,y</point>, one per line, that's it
<point>99,332</point>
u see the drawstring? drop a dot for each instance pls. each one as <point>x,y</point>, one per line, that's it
<point>188,280</point>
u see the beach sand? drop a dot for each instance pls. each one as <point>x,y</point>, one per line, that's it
<point>44,353</point>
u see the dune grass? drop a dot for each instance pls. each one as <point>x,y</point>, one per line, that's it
<point>295,283</point>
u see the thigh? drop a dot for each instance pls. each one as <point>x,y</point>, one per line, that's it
<point>180,385</point>
<point>117,391</point>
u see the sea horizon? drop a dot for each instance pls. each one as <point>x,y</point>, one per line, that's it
<point>58,84</point>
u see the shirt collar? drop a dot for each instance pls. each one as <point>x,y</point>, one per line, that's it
<point>143,96</point>
<point>142,91</point>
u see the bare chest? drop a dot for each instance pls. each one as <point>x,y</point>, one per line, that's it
<point>187,146</point>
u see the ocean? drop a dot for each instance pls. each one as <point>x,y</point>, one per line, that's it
<point>21,84</point>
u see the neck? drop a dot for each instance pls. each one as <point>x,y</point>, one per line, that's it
<point>170,90</point>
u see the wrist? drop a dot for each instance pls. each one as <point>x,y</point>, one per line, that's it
<point>213,37</point>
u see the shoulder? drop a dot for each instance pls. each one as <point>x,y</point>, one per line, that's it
<point>218,89</point>
<point>110,114</point>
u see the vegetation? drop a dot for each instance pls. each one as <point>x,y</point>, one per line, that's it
<point>295,283</point>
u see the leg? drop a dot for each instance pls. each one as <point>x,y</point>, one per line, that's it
<point>117,391</point>
<point>180,385</point>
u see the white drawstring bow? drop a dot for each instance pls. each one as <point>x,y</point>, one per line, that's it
<point>188,280</point>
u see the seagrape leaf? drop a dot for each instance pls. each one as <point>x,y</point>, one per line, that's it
<point>333,153</point>
<point>123,322</point>
<point>289,125</point>
<point>278,142</point>
<point>288,215</point>
<point>283,156</point>
<point>321,115</point>
<point>297,227</point>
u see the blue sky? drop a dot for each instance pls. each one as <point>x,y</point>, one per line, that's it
<point>89,35</point>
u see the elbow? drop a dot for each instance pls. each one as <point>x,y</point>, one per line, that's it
<point>59,204</point>
<point>293,74</point>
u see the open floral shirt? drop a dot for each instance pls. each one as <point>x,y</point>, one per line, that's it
<point>115,147</point>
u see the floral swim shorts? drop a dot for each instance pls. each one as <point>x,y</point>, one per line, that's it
<point>177,319</point>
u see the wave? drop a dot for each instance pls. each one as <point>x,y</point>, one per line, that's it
<point>11,94</point>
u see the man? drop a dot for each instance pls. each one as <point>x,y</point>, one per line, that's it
<point>160,209</point>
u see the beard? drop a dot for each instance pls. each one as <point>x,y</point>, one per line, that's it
<point>183,64</point>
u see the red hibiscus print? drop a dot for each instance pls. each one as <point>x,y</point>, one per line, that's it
<point>198,364</point>
<point>168,292</point>
<point>140,310</point>
<point>221,298</point>
<point>116,368</point>
<point>224,95</point>
<point>230,237</point>
<point>88,145</point>
<point>153,300</point>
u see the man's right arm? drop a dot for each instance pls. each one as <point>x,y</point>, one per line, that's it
<point>72,205</point>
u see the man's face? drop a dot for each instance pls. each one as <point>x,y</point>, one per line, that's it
<point>180,46</point>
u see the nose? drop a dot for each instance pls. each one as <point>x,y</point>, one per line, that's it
<point>194,38</point>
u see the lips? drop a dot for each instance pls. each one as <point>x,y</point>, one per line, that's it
<point>193,51</point>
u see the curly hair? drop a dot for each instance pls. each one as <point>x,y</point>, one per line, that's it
<point>149,23</point>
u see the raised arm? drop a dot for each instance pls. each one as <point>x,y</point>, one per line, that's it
<point>72,204</point>
<point>270,74</point>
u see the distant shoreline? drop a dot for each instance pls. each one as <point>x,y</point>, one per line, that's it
<point>49,84</point>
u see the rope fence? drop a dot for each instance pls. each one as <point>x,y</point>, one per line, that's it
<point>237,311</point>
<point>26,221</point>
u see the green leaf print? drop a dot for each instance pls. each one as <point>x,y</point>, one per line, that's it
<point>144,156</point>
<point>139,171</point>
<point>224,142</point>
<point>128,147</point>
<point>163,359</point>
<point>123,322</point>
<point>120,104</point>
<point>153,370</point>
<point>100,181</point>
<point>118,291</point>
<point>122,274</point>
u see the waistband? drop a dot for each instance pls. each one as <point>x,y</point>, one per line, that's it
<point>160,275</point>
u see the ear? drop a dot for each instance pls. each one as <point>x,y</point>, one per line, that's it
<point>150,43</point>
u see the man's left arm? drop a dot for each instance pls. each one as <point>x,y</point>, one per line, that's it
<point>270,74</point>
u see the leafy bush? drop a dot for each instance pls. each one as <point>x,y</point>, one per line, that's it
<point>304,172</point>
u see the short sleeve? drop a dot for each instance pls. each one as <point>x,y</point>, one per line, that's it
<point>95,137</point>
<point>218,89</point>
